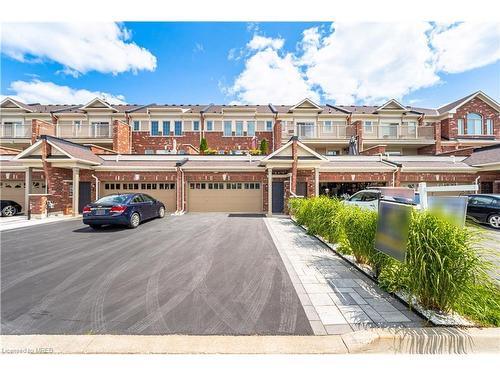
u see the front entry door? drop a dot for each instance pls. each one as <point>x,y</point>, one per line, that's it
<point>278,197</point>
<point>84,195</point>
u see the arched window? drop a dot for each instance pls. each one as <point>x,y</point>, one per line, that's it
<point>474,124</point>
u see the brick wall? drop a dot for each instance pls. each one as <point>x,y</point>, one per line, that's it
<point>375,150</point>
<point>276,136</point>
<point>358,131</point>
<point>466,178</point>
<point>217,141</point>
<point>449,127</point>
<point>142,141</point>
<point>121,137</point>
<point>39,127</point>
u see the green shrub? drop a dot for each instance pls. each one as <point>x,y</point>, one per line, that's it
<point>203,145</point>
<point>443,268</point>
<point>264,147</point>
<point>441,260</point>
<point>360,230</point>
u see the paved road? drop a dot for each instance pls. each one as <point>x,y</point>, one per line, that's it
<point>491,242</point>
<point>194,274</point>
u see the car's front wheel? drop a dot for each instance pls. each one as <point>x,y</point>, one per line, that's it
<point>161,212</point>
<point>494,221</point>
<point>9,211</point>
<point>134,221</point>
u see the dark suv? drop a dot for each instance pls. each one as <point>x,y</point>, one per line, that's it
<point>484,208</point>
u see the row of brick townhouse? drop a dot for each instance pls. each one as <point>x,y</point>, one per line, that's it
<point>72,154</point>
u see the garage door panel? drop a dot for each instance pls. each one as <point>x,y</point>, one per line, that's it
<point>163,191</point>
<point>14,190</point>
<point>225,197</point>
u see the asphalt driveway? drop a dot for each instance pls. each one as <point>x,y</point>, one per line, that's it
<point>192,274</point>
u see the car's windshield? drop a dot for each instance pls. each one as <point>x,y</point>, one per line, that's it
<point>113,199</point>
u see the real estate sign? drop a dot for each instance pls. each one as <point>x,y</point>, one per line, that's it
<point>452,209</point>
<point>392,229</point>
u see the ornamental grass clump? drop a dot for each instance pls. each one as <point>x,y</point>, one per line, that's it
<point>441,261</point>
<point>360,229</point>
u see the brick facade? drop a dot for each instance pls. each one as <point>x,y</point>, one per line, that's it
<point>143,140</point>
<point>449,126</point>
<point>39,127</point>
<point>355,177</point>
<point>121,137</point>
<point>374,150</point>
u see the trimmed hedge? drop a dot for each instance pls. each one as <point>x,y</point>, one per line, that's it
<point>443,270</point>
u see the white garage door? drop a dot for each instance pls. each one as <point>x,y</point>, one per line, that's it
<point>163,191</point>
<point>225,197</point>
<point>14,190</point>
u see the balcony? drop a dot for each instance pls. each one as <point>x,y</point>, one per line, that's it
<point>398,132</point>
<point>320,132</point>
<point>15,131</point>
<point>84,131</point>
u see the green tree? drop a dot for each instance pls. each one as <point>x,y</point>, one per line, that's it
<point>264,147</point>
<point>203,146</point>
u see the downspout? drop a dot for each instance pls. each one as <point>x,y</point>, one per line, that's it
<point>96,187</point>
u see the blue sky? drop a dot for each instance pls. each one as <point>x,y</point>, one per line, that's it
<point>172,62</point>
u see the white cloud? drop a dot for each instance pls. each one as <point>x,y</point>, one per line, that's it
<point>370,62</point>
<point>260,42</point>
<point>270,78</point>
<point>466,46</point>
<point>79,47</point>
<point>362,62</point>
<point>49,93</point>
<point>198,47</point>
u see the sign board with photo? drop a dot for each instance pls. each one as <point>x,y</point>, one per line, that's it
<point>392,229</point>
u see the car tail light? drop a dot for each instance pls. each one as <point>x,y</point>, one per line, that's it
<point>86,210</point>
<point>117,209</point>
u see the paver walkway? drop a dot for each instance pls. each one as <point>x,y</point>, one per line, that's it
<point>336,297</point>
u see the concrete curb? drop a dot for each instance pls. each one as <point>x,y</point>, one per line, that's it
<point>407,340</point>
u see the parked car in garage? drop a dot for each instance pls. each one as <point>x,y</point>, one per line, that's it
<point>484,208</point>
<point>129,209</point>
<point>369,199</point>
<point>9,208</point>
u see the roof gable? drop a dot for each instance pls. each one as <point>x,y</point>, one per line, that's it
<point>285,152</point>
<point>9,103</point>
<point>392,105</point>
<point>452,107</point>
<point>98,104</point>
<point>61,149</point>
<point>306,104</point>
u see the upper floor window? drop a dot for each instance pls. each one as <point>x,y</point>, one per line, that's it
<point>210,125</point>
<point>460,126</point>
<point>369,126</point>
<point>474,124</point>
<point>77,124</point>
<point>489,126</point>
<point>178,128</point>
<point>227,128</point>
<point>166,128</point>
<point>250,128</point>
<point>137,126</point>
<point>239,128</point>
<point>196,126</point>
<point>269,126</point>
<point>154,128</point>
<point>327,127</point>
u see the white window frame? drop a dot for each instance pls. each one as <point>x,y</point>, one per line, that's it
<point>269,129</point>
<point>133,125</point>
<point>254,128</point>
<point>211,122</point>
<point>460,126</point>
<point>196,130</point>
<point>160,129</point>
<point>489,127</point>
<point>224,123</point>
<point>236,123</point>
<point>369,123</point>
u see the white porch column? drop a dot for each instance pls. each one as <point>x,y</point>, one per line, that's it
<point>269,192</point>
<point>27,190</point>
<point>316,182</point>
<point>76,189</point>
